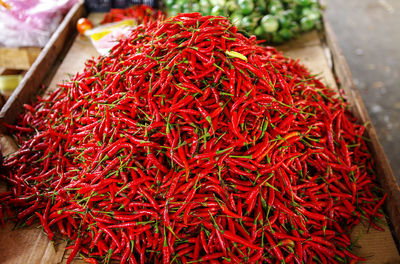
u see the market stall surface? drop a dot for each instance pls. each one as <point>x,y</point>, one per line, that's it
<point>382,250</point>
<point>369,37</point>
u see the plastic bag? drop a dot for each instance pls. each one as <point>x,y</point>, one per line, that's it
<point>118,23</point>
<point>107,36</point>
<point>30,23</point>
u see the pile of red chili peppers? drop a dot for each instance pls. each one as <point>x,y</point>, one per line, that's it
<point>191,143</point>
<point>141,13</point>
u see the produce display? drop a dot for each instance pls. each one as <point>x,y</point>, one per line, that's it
<point>273,20</point>
<point>191,143</point>
<point>141,13</point>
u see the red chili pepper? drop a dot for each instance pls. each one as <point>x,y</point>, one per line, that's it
<point>228,235</point>
<point>45,226</point>
<point>75,250</point>
<point>236,151</point>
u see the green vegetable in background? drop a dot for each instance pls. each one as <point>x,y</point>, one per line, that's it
<point>261,5</point>
<point>273,20</point>
<point>275,6</point>
<point>236,18</point>
<point>246,6</point>
<point>269,23</point>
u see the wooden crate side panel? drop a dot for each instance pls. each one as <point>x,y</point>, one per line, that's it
<point>384,172</point>
<point>34,77</point>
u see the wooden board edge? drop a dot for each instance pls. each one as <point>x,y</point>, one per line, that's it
<point>42,65</point>
<point>384,172</point>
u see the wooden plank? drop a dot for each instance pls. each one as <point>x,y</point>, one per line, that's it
<point>18,58</point>
<point>385,174</point>
<point>28,245</point>
<point>311,53</point>
<point>376,246</point>
<point>305,40</point>
<point>81,50</point>
<point>42,65</point>
<point>73,62</point>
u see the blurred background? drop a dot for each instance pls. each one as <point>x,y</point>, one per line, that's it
<point>368,33</point>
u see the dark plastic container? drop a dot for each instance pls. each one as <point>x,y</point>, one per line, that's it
<point>106,5</point>
<point>98,5</point>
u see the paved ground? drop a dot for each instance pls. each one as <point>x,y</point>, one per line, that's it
<point>368,32</point>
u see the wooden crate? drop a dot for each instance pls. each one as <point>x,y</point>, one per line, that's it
<point>318,51</point>
<point>44,65</point>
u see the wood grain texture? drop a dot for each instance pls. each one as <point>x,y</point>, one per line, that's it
<point>80,51</point>
<point>28,245</point>
<point>311,53</point>
<point>376,246</point>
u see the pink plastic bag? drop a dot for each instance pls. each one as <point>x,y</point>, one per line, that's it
<point>31,23</point>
